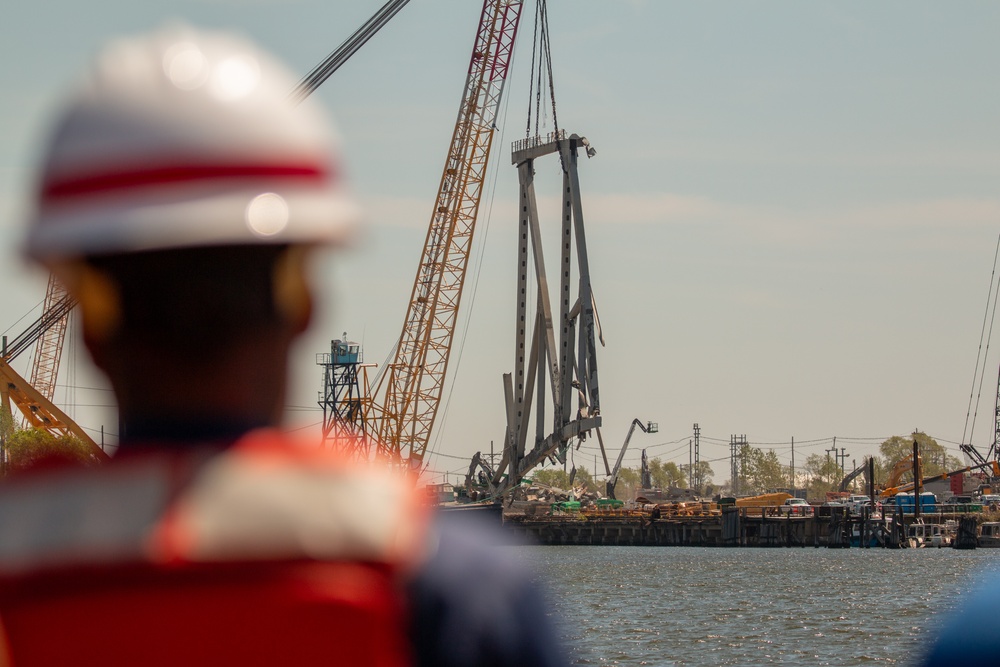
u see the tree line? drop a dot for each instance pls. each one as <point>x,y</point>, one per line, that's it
<point>22,449</point>
<point>662,474</point>
<point>761,471</point>
<point>821,473</point>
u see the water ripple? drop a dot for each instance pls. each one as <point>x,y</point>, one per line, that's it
<point>698,606</point>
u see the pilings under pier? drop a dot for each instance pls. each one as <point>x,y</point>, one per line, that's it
<point>735,527</point>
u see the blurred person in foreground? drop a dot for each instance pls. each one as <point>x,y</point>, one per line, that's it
<point>970,634</point>
<point>180,198</point>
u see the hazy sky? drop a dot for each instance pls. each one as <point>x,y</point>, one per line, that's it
<point>792,215</point>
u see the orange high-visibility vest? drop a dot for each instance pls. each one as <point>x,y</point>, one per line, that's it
<point>269,553</point>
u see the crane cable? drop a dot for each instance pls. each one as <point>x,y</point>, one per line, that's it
<point>994,291</point>
<point>46,320</point>
<point>986,354</point>
<point>541,73</point>
<point>532,95</point>
<point>314,79</point>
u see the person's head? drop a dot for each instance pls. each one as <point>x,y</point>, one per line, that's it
<point>179,195</point>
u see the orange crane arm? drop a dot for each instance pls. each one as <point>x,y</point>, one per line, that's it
<point>903,465</point>
<point>909,486</point>
<point>39,411</point>
<point>415,379</point>
<point>34,399</point>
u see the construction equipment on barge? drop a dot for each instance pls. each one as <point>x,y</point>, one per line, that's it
<point>648,427</point>
<point>33,399</point>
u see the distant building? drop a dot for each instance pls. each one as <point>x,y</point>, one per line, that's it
<point>441,493</point>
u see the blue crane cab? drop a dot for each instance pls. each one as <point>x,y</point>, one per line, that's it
<point>345,352</point>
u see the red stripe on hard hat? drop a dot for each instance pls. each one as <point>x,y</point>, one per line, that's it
<point>131,179</point>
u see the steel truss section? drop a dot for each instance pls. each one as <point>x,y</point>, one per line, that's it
<point>48,350</point>
<point>39,412</point>
<point>549,366</point>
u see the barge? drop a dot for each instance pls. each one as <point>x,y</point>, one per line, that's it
<point>727,526</point>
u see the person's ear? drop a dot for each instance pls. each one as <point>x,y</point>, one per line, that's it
<point>99,300</point>
<point>97,295</point>
<point>292,297</point>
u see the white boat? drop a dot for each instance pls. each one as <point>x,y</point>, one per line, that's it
<point>924,535</point>
<point>989,535</point>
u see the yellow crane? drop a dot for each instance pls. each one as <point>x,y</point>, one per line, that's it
<point>414,380</point>
<point>34,399</point>
<point>398,425</point>
<point>901,467</point>
<point>890,491</point>
<point>49,346</point>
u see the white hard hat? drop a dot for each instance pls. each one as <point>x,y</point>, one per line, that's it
<point>186,138</point>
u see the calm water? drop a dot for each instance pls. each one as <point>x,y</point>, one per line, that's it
<point>699,606</point>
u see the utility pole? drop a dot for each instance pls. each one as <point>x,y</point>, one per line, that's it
<point>832,449</point>
<point>793,466</point>
<point>733,475</point>
<point>841,459</point>
<point>697,456</point>
<point>736,445</point>
<point>742,452</point>
<point>690,463</point>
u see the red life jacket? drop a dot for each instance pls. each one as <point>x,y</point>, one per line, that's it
<point>267,554</point>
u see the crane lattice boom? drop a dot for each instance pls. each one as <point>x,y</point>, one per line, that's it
<point>34,399</point>
<point>48,350</point>
<point>415,379</point>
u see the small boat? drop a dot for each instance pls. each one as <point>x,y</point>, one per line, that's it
<point>924,535</point>
<point>989,535</point>
<point>872,540</point>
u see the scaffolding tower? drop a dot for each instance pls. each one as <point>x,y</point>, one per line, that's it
<point>344,399</point>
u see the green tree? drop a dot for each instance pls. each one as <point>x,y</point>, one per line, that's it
<point>667,474</point>
<point>703,471</point>
<point>553,477</point>
<point>7,426</point>
<point>760,471</point>
<point>934,458</point>
<point>881,471</point>
<point>6,430</point>
<point>769,472</point>
<point>629,481</point>
<point>822,475</point>
<point>30,447</point>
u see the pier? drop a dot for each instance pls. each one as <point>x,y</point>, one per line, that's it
<point>831,527</point>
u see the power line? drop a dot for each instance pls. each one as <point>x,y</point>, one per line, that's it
<point>76,386</point>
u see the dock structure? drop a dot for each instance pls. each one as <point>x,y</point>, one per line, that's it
<point>729,527</point>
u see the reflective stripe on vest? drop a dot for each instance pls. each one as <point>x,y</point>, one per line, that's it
<point>263,499</point>
<point>268,553</point>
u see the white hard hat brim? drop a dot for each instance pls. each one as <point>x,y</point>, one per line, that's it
<point>292,216</point>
